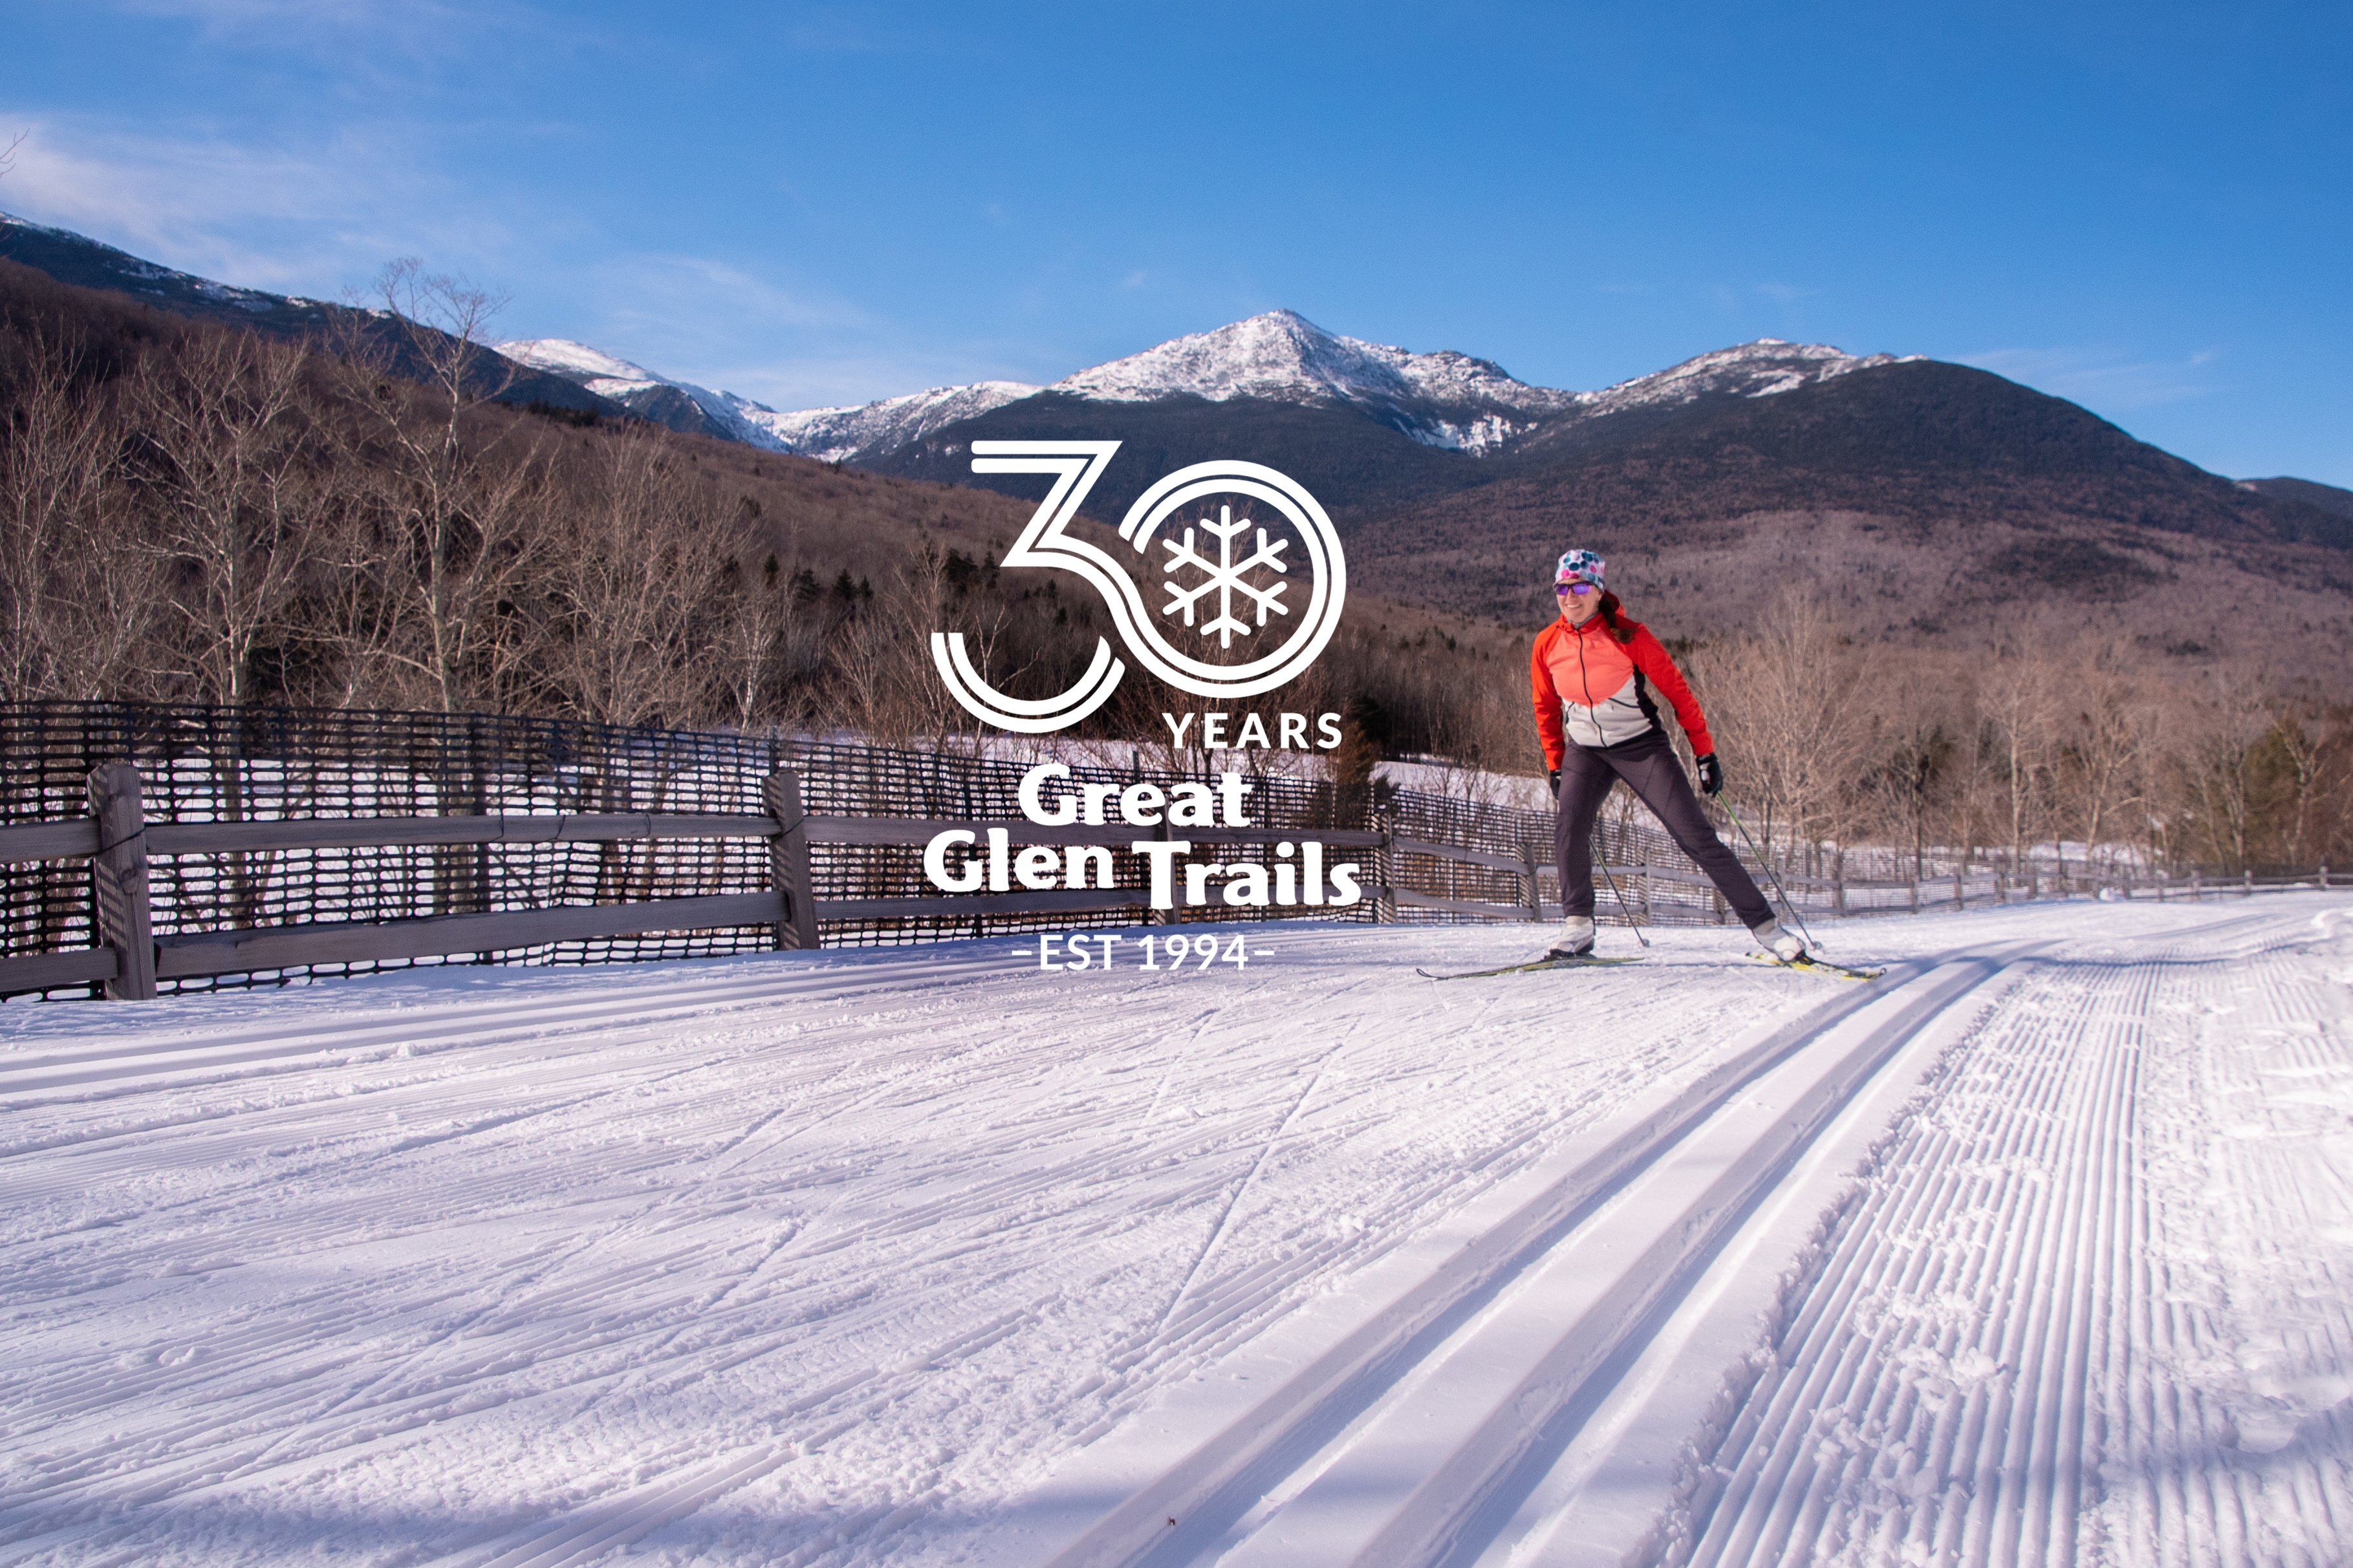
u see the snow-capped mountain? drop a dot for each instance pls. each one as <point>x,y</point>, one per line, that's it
<point>842,435</point>
<point>829,434</point>
<point>1759,369</point>
<point>1445,399</point>
<point>1442,399</point>
<point>680,405</point>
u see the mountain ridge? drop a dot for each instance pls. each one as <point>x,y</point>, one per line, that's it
<point>86,263</point>
<point>1382,433</point>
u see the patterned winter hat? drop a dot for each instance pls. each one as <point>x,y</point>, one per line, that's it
<point>1581,565</point>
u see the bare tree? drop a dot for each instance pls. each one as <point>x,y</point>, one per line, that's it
<point>2017,702</point>
<point>79,597</point>
<point>1782,703</point>
<point>2215,746</point>
<point>1913,778</point>
<point>460,508</point>
<point>225,432</point>
<point>2296,747</point>
<point>2107,746</point>
<point>356,614</point>
<point>759,638</point>
<point>630,580</point>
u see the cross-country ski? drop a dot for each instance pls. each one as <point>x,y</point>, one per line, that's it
<point>1533,966</point>
<point>1811,963</point>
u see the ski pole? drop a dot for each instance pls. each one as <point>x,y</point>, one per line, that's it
<point>1767,864</point>
<point>1602,860</point>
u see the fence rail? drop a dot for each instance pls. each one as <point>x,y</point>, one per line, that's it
<point>128,961</point>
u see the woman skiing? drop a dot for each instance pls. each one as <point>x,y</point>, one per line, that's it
<point>1592,671</point>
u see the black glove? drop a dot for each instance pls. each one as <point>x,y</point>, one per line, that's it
<point>1552,782</point>
<point>1711,774</point>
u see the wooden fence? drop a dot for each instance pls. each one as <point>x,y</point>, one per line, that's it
<point>129,960</point>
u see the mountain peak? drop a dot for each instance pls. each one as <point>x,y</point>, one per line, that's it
<point>1440,399</point>
<point>1756,369</point>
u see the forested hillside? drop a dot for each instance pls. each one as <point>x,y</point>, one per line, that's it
<point>195,511</point>
<point>200,512</point>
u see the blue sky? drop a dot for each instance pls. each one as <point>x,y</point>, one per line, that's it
<point>2147,209</point>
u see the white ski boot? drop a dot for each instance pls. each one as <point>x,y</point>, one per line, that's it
<point>1576,938</point>
<point>1779,943</point>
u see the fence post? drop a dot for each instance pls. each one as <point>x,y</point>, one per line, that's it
<point>2324,876</point>
<point>1915,895</point>
<point>2196,893</point>
<point>2250,875</point>
<point>118,876</point>
<point>788,860</point>
<point>1385,908</point>
<point>1528,882</point>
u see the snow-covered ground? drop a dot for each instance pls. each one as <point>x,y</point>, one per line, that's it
<point>2037,1249</point>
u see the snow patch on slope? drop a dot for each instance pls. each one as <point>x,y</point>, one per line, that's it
<point>562,356</point>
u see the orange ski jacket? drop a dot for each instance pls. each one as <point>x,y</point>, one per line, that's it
<point>1591,689</point>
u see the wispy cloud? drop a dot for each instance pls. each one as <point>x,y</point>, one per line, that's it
<point>652,288</point>
<point>316,222</point>
<point>253,215</point>
<point>717,324</point>
<point>2102,378</point>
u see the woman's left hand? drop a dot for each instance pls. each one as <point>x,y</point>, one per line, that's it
<point>1711,774</point>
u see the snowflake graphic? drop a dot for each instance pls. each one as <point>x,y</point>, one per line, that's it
<point>1225,576</point>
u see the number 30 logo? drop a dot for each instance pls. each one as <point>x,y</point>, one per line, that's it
<point>1277,572</point>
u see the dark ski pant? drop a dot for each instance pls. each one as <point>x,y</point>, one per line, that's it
<point>1649,769</point>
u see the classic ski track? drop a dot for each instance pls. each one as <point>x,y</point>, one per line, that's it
<point>1356,1385</point>
<point>1942,1425</point>
<point>265,1373</point>
<point>31,1074</point>
<point>108,1499</point>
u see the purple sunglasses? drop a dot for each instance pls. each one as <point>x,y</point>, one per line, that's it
<point>1580,587</point>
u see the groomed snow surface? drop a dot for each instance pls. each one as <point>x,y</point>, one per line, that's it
<point>2038,1251</point>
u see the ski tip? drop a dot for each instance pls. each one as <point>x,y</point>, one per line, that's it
<point>1812,966</point>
